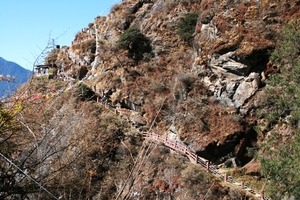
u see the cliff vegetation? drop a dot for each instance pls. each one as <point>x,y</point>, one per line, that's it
<point>217,77</point>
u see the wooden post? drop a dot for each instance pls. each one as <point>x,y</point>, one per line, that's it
<point>165,141</point>
<point>207,166</point>
<point>225,177</point>
<point>184,150</point>
<point>262,195</point>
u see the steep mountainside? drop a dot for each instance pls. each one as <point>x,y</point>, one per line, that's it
<point>195,84</point>
<point>11,69</point>
<point>82,138</point>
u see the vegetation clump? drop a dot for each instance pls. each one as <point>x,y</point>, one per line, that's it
<point>280,158</point>
<point>283,88</point>
<point>84,93</point>
<point>186,26</point>
<point>135,42</point>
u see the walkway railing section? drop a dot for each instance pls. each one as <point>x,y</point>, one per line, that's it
<point>201,161</point>
<point>183,149</point>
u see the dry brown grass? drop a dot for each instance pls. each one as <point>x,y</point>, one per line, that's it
<point>52,57</point>
<point>115,8</point>
<point>97,139</point>
<point>222,24</point>
<point>254,182</point>
<point>81,36</point>
<point>86,46</point>
<point>207,4</point>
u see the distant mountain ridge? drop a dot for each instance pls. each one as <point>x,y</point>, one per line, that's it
<point>13,69</point>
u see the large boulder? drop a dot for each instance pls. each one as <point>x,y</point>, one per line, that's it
<point>227,61</point>
<point>246,89</point>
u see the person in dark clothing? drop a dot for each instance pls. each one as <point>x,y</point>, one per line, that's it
<point>104,96</point>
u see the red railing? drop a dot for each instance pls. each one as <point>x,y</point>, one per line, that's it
<point>199,160</point>
<point>191,155</point>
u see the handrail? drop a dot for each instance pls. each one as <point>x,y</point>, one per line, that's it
<point>184,149</point>
<point>201,161</point>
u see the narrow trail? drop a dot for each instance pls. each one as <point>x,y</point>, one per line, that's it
<point>201,161</point>
<point>194,158</point>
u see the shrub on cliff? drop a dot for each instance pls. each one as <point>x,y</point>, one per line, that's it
<point>186,26</point>
<point>288,48</point>
<point>281,164</point>
<point>7,124</point>
<point>283,88</point>
<point>135,42</point>
<point>84,93</point>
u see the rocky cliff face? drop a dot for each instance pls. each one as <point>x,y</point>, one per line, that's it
<point>203,93</point>
<point>222,70</point>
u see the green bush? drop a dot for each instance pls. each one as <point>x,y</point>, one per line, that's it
<point>85,93</point>
<point>281,164</point>
<point>135,42</point>
<point>188,81</point>
<point>288,47</point>
<point>283,89</point>
<point>281,167</point>
<point>186,26</point>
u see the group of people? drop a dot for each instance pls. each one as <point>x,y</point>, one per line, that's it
<point>105,94</point>
<point>8,78</point>
<point>42,70</point>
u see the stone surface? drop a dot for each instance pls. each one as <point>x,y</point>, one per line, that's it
<point>205,89</point>
<point>246,89</point>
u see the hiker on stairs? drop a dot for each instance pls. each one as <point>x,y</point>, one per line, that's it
<point>105,96</point>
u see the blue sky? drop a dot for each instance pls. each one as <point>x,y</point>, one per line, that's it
<point>26,25</point>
